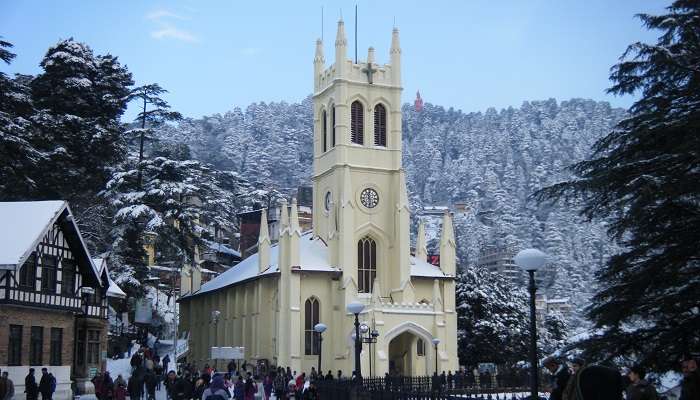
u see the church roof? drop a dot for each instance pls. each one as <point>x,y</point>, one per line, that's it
<point>313,256</point>
<point>424,269</point>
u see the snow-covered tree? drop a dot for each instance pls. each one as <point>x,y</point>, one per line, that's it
<point>20,158</point>
<point>644,180</point>
<point>79,98</point>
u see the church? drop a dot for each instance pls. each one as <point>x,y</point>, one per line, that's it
<point>358,249</point>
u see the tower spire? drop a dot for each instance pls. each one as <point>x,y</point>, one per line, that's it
<point>448,257</point>
<point>421,249</point>
<point>319,63</point>
<point>395,54</point>
<point>263,243</point>
<point>341,45</point>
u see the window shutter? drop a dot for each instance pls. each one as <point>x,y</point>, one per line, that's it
<point>357,122</point>
<point>379,125</point>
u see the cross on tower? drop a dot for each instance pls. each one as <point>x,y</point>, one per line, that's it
<point>369,71</point>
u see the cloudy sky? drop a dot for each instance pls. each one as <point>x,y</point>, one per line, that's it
<point>215,55</point>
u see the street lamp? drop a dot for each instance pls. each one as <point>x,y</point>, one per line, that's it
<point>356,308</point>
<point>436,342</point>
<point>532,260</point>
<point>369,339</point>
<point>215,319</point>
<point>320,328</point>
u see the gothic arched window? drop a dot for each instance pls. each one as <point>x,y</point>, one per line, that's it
<point>379,125</point>
<point>366,264</point>
<point>357,122</point>
<point>324,130</point>
<point>333,125</point>
<point>311,318</point>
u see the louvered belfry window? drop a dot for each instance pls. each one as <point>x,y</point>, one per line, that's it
<point>324,130</point>
<point>357,123</point>
<point>379,125</point>
<point>333,125</point>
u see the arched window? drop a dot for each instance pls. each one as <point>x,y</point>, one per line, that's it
<point>333,125</point>
<point>357,123</point>
<point>379,125</point>
<point>324,130</point>
<point>366,264</point>
<point>311,316</point>
<point>420,347</point>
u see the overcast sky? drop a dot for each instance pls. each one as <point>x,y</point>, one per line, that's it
<point>215,55</point>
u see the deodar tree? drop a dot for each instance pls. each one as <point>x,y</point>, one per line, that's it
<point>644,180</point>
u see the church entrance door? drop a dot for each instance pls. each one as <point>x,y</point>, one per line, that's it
<point>403,356</point>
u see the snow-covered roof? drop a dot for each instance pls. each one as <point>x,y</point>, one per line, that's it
<point>313,254</point>
<point>222,248</point>
<point>420,268</point>
<point>113,290</point>
<point>25,224</point>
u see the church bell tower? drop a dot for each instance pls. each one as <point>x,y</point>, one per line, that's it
<point>361,203</point>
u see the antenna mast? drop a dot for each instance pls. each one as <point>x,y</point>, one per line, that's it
<point>355,33</point>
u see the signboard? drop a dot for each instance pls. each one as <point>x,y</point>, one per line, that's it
<point>144,313</point>
<point>92,372</point>
<point>487,367</point>
<point>228,353</point>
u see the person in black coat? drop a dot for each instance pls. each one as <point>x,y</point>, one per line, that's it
<point>30,386</point>
<point>560,377</point>
<point>45,385</point>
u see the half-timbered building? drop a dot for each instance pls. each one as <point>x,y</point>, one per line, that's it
<point>53,298</point>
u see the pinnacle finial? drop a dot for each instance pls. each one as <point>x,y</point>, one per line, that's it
<point>340,39</point>
<point>284,217</point>
<point>395,44</point>
<point>370,55</point>
<point>319,51</point>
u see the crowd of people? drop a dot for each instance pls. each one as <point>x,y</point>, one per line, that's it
<point>564,380</point>
<point>46,385</point>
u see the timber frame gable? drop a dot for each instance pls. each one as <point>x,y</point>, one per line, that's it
<point>56,272</point>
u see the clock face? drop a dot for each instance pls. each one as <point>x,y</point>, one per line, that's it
<point>327,201</point>
<point>369,198</point>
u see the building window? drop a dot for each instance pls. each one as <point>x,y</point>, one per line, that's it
<point>357,122</point>
<point>56,346</point>
<point>14,348</point>
<point>93,346</point>
<point>366,264</point>
<point>36,346</point>
<point>379,125</point>
<point>48,273</point>
<point>311,318</point>
<point>420,347</point>
<point>333,125</point>
<point>324,130</point>
<point>80,352</point>
<point>67,277</point>
<point>27,274</point>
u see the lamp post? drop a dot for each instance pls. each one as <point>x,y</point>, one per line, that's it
<point>531,260</point>
<point>215,319</point>
<point>371,337</point>
<point>356,308</point>
<point>320,328</point>
<point>436,342</point>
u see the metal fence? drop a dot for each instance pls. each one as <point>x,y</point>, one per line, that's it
<point>419,388</point>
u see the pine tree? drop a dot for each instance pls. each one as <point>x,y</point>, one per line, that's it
<point>644,179</point>
<point>154,112</point>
